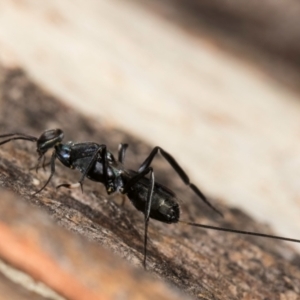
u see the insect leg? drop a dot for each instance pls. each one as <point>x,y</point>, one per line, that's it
<point>179,171</point>
<point>44,165</point>
<point>135,179</point>
<point>276,237</point>
<point>121,156</point>
<point>52,162</point>
<point>21,137</point>
<point>129,184</point>
<point>92,162</point>
<point>121,152</point>
<point>147,214</point>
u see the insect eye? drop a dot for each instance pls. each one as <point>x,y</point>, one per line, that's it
<point>48,140</point>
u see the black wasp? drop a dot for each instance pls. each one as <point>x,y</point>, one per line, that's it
<point>95,162</point>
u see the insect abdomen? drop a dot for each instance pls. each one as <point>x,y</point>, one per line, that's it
<point>164,208</point>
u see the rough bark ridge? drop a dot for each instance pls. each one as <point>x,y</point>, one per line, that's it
<point>202,264</point>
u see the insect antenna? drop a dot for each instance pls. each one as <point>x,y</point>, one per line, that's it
<point>241,232</point>
<point>16,136</point>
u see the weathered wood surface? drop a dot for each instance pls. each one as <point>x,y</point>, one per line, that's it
<point>204,265</point>
<point>198,78</point>
<point>59,264</point>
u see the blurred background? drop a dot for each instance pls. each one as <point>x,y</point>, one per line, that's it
<point>215,83</point>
